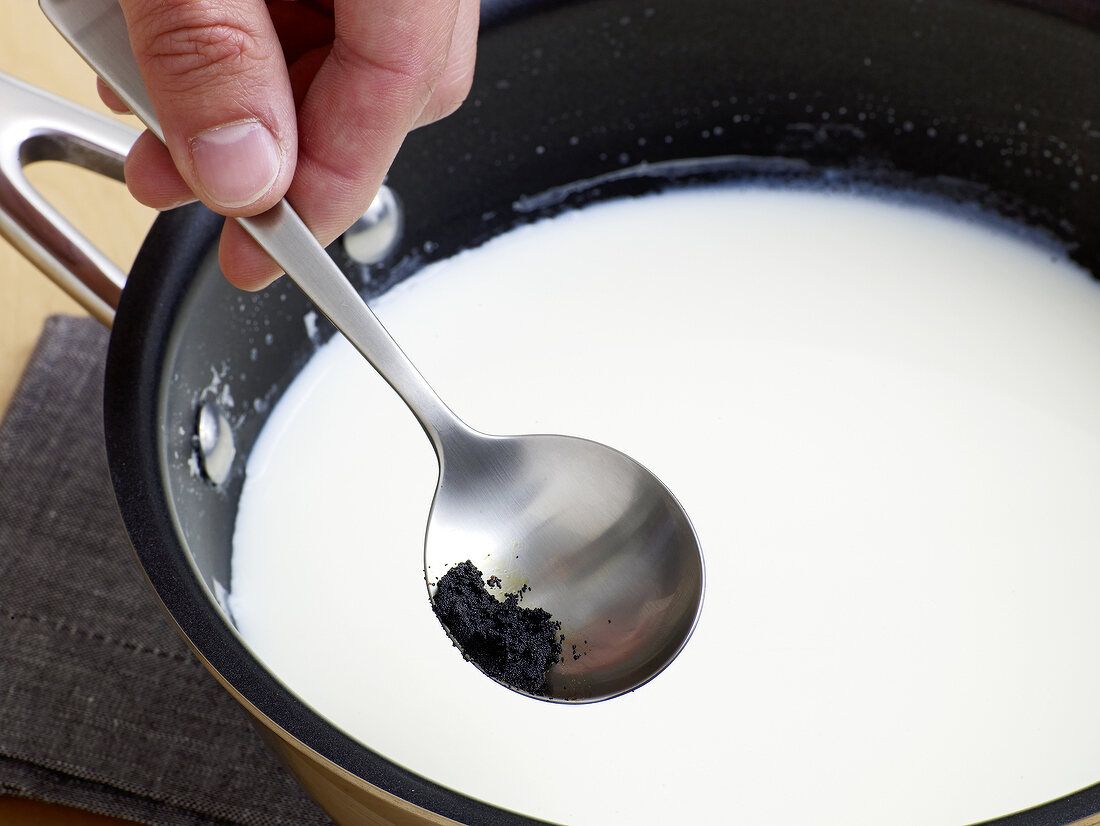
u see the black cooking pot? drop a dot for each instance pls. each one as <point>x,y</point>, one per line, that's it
<point>992,105</point>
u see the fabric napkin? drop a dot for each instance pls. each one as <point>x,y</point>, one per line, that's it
<point>102,705</point>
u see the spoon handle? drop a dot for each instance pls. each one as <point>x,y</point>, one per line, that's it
<point>287,239</point>
<point>97,30</point>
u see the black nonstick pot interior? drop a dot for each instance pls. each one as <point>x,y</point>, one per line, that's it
<point>984,103</point>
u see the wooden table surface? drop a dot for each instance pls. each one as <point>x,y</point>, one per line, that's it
<point>32,51</point>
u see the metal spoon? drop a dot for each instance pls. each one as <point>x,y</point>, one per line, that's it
<point>603,546</point>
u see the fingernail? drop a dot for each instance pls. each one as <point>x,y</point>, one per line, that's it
<point>236,163</point>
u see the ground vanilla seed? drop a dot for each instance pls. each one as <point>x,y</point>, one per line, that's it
<point>510,643</point>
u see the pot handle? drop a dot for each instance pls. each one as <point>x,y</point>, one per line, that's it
<point>36,125</point>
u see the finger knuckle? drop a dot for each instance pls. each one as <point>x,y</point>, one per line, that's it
<point>410,76</point>
<point>188,55</point>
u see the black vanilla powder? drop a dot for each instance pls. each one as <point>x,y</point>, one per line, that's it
<point>510,643</point>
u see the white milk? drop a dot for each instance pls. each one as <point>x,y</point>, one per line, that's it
<point>884,423</point>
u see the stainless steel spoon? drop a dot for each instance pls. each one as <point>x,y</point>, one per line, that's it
<point>602,545</point>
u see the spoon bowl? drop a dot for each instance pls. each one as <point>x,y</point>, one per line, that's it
<point>598,541</point>
<point>594,535</point>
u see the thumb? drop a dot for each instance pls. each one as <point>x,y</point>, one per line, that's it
<point>216,76</point>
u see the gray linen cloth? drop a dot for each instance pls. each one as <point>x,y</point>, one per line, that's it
<point>102,705</point>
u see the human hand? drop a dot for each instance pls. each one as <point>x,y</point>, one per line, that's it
<point>307,99</point>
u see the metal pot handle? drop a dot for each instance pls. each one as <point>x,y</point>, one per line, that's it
<point>36,125</point>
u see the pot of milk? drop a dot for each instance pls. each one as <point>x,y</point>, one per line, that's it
<point>829,269</point>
